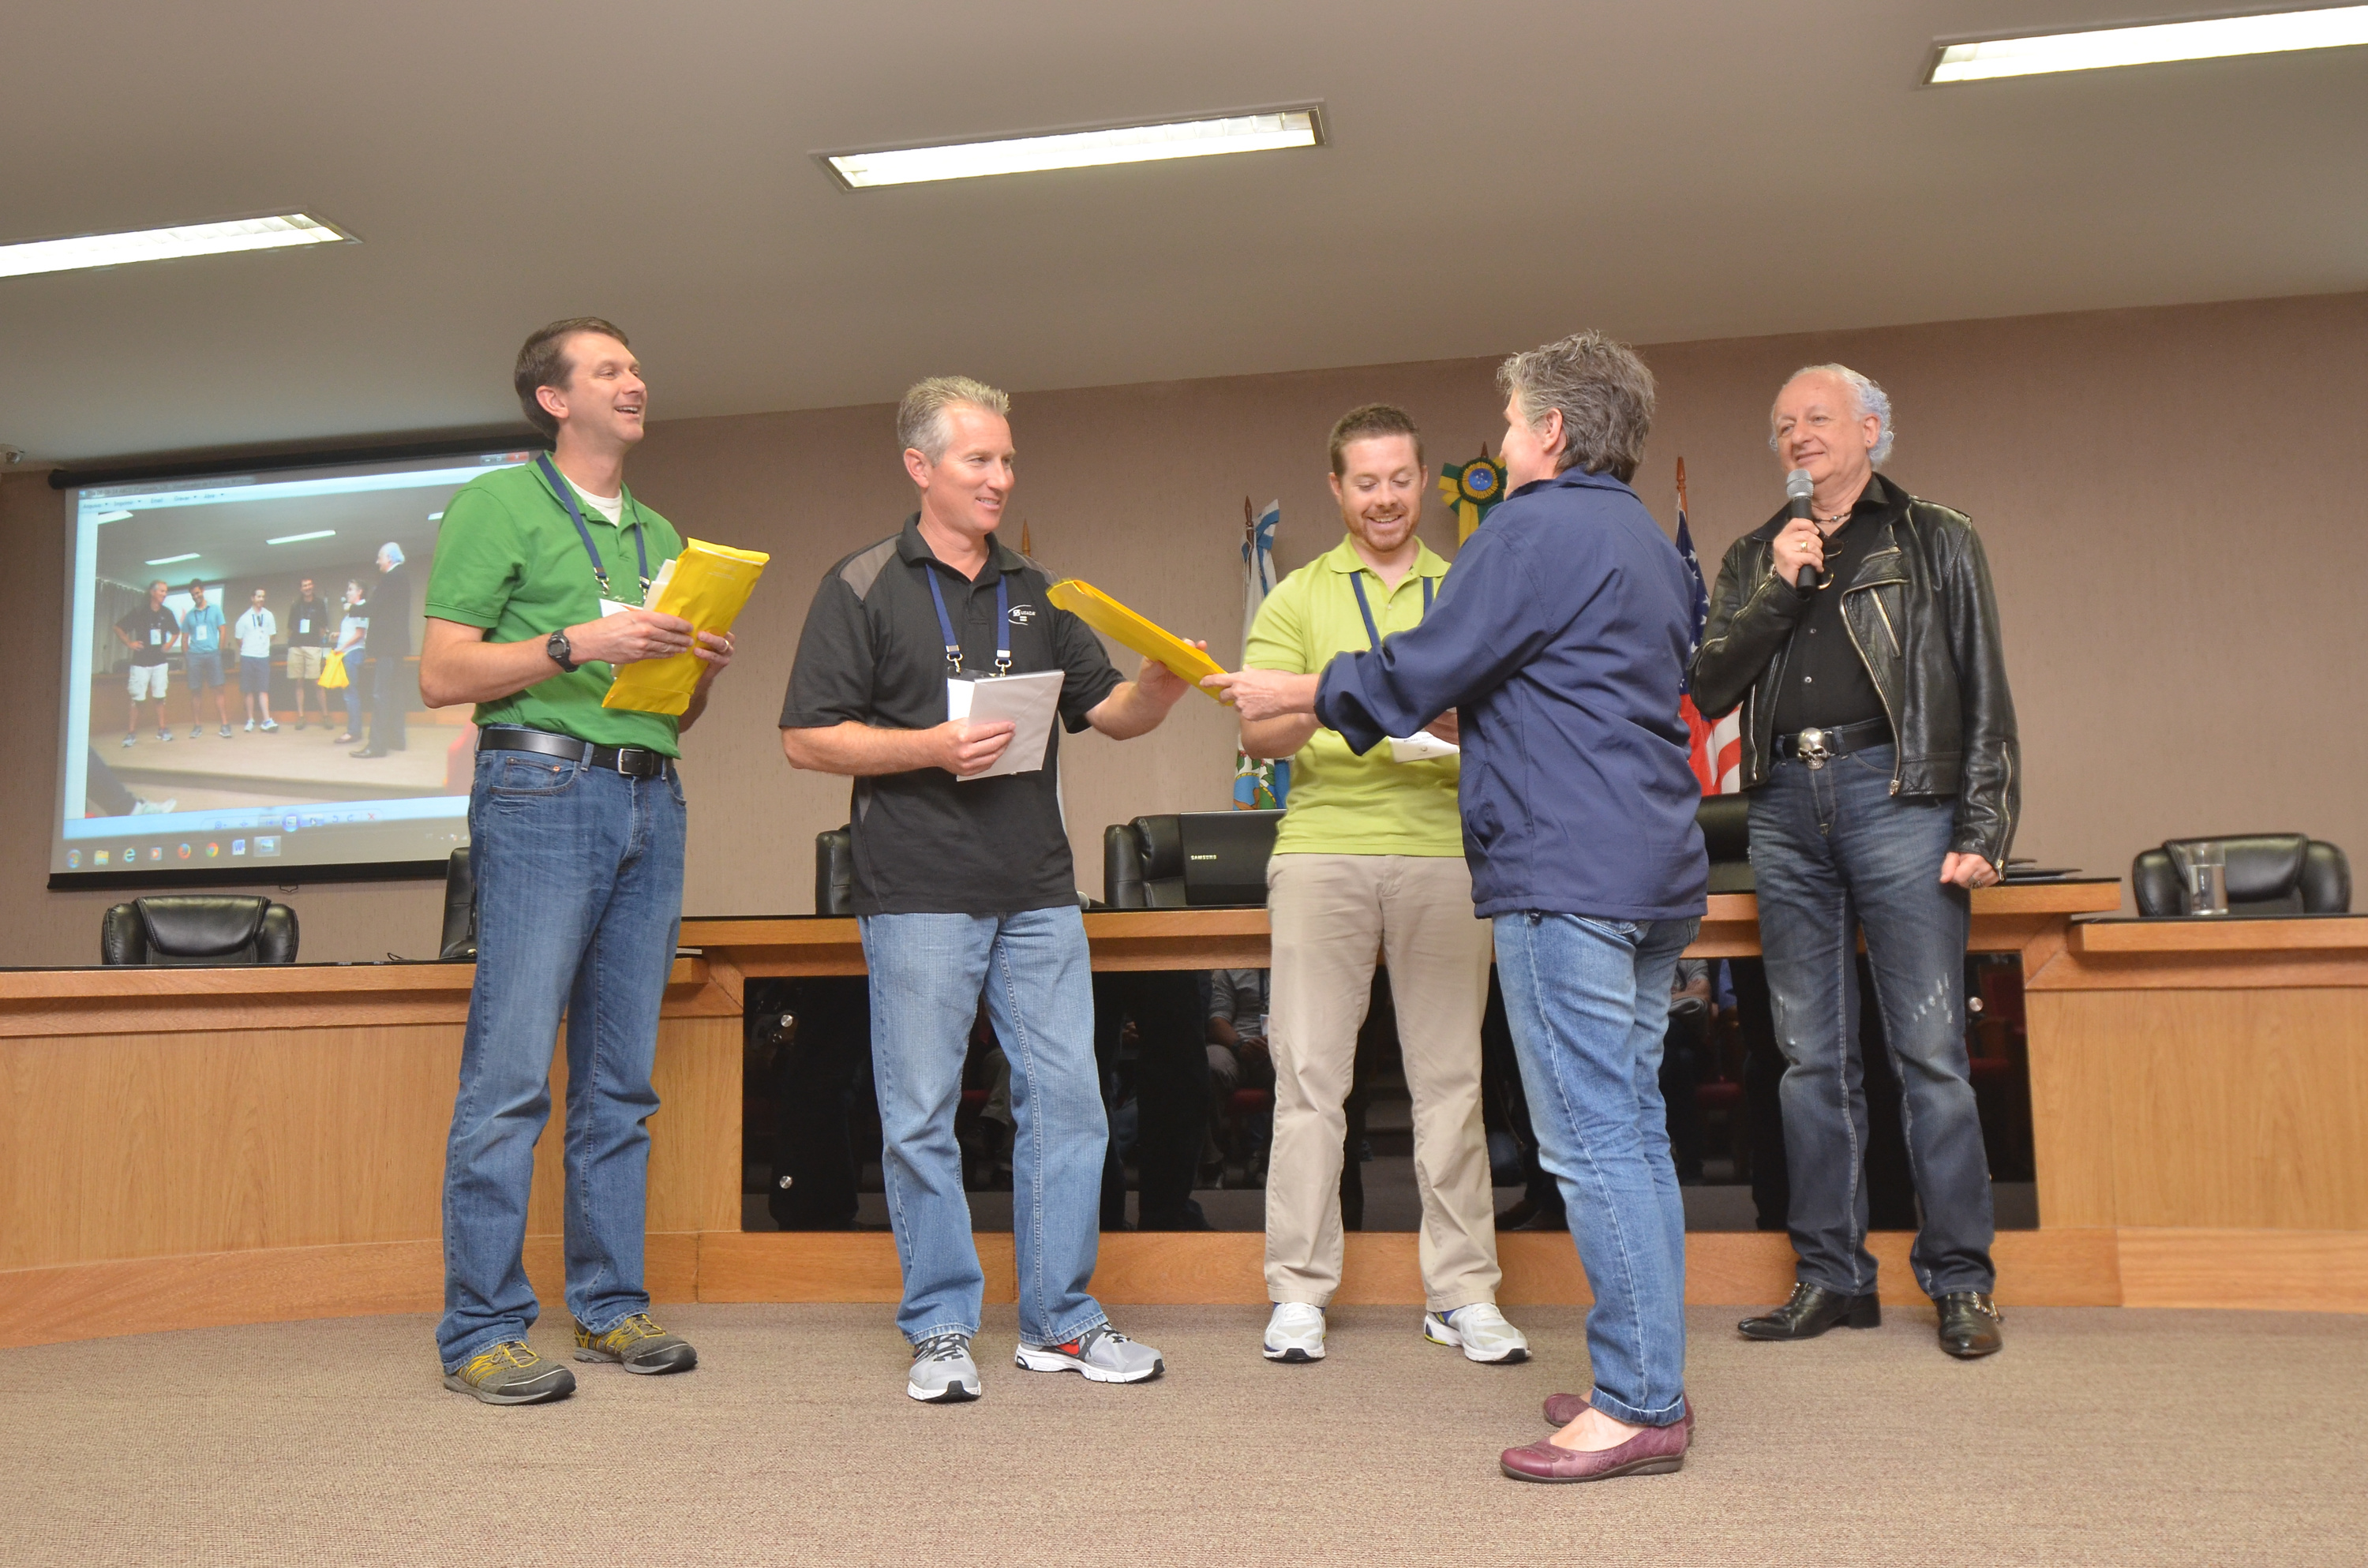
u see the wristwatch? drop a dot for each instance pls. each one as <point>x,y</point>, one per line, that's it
<point>561,653</point>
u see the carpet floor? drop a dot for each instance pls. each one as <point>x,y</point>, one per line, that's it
<point>2100,1436</point>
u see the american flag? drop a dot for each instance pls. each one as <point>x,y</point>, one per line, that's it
<point>1717,748</point>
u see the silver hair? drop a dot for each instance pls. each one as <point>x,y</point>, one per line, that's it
<point>1602,391</point>
<point>392,551</point>
<point>1871,399</point>
<point>921,417</point>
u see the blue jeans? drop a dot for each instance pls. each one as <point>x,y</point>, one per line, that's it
<point>927,973</point>
<point>579,899</point>
<point>1588,1001</point>
<point>1833,850</point>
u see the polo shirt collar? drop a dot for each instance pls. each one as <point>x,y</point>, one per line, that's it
<point>1343,558</point>
<point>624,492</point>
<point>1001,558</point>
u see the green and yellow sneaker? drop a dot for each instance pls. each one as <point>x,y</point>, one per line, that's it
<point>511,1373</point>
<point>638,1345</point>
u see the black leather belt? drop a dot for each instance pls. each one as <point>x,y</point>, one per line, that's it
<point>1818,748</point>
<point>634,761</point>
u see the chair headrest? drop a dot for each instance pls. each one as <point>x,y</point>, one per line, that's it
<point>1725,822</point>
<point>201,925</point>
<point>1162,845</point>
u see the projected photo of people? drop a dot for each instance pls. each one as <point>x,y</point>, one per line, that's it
<point>247,657</point>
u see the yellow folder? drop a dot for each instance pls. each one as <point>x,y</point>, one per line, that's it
<point>707,584</point>
<point>1128,629</point>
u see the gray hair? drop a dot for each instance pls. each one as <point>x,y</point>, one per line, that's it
<point>1602,391</point>
<point>921,417</point>
<point>392,551</point>
<point>1871,399</point>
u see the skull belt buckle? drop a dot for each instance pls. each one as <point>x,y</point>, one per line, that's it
<point>1814,749</point>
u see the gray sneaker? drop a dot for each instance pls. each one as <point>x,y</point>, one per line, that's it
<point>1101,1352</point>
<point>511,1373</point>
<point>638,1345</point>
<point>944,1372</point>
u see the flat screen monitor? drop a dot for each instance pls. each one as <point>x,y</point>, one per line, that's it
<point>199,741</point>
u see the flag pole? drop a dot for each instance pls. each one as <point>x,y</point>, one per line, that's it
<point>1681,486</point>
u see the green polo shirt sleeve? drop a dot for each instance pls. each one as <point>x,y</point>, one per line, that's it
<point>509,561</point>
<point>1341,803</point>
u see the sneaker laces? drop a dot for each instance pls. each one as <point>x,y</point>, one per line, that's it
<point>509,1353</point>
<point>634,1329</point>
<point>947,1346</point>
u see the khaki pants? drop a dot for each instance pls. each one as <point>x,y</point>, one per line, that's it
<point>1332,915</point>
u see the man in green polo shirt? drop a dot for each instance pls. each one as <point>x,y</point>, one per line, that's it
<point>1370,861</point>
<point>575,836</point>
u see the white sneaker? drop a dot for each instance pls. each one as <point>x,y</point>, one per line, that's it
<point>1482,1332</point>
<point>250,726</point>
<point>1295,1333</point>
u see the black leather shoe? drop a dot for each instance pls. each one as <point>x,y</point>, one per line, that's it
<point>1811,1312</point>
<point>1970,1324</point>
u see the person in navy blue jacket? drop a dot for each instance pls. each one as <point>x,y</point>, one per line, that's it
<point>1561,636</point>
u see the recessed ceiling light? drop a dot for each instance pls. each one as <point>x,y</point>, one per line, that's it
<point>110,517</point>
<point>1258,132</point>
<point>170,560</point>
<point>162,245</point>
<point>298,538</point>
<point>2337,27</point>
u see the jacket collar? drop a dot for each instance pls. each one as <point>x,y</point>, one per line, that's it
<point>1000,557</point>
<point>1343,558</point>
<point>1573,478</point>
<point>1886,499</point>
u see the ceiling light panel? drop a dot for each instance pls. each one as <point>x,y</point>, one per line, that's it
<point>299,539</point>
<point>1267,131</point>
<point>2280,33</point>
<point>164,244</point>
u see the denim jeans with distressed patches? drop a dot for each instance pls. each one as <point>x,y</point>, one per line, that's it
<point>927,973</point>
<point>579,901</point>
<point>1588,1003</point>
<point>1832,851</point>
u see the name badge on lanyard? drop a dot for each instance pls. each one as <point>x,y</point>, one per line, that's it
<point>958,703</point>
<point>608,605</point>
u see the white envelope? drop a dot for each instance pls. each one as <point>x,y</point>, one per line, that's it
<point>1421,746</point>
<point>1030,701</point>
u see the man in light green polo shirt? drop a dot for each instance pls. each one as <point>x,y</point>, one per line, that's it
<point>1370,861</point>
<point>539,590</point>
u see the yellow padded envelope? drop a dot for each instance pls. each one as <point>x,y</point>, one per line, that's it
<point>1130,631</point>
<point>707,584</point>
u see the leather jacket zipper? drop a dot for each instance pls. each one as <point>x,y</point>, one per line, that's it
<point>1898,751</point>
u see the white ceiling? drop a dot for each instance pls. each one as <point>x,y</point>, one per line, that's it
<point>1501,173</point>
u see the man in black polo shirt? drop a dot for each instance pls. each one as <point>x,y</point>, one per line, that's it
<point>964,882</point>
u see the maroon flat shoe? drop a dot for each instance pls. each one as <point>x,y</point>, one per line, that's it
<point>1655,1450</point>
<point>1562,1409</point>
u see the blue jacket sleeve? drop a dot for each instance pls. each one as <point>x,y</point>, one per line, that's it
<point>1487,623</point>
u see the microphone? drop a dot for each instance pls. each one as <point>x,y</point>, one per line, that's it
<point>1797,487</point>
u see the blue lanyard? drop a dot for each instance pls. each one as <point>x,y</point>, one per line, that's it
<point>576,514</point>
<point>1002,623</point>
<point>1373,633</point>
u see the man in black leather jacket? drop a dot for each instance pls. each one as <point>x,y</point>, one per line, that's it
<point>1879,751</point>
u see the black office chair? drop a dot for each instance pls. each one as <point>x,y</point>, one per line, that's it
<point>1725,823</point>
<point>460,908</point>
<point>2268,873</point>
<point>1184,859</point>
<point>198,930</point>
<point>834,871</point>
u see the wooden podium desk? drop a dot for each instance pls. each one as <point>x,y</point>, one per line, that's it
<point>184,1147</point>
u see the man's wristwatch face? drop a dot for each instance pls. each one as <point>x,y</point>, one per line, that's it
<point>561,653</point>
